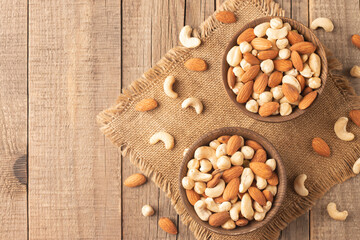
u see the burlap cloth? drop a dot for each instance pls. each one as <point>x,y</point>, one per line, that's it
<point>130,130</point>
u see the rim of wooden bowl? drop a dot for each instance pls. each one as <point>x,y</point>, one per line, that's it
<point>309,36</point>
<point>271,152</point>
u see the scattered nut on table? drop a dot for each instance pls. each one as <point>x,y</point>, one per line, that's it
<point>165,137</point>
<point>147,211</point>
<point>193,102</point>
<point>335,214</point>
<point>168,85</point>
<point>340,129</point>
<point>185,38</point>
<point>324,23</point>
<point>299,185</point>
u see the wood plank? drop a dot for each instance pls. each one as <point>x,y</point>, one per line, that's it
<point>74,69</point>
<point>13,119</point>
<point>150,29</point>
<point>345,16</point>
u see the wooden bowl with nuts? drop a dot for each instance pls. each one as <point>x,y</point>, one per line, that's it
<point>232,181</point>
<point>274,68</point>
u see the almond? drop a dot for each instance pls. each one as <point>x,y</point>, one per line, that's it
<point>268,195</point>
<point>355,39</point>
<point>214,181</point>
<point>167,225</point>
<point>225,17</point>
<point>251,59</point>
<point>257,195</point>
<point>273,180</point>
<point>268,108</point>
<point>260,83</point>
<point>253,144</point>
<point>192,196</point>
<point>306,91</point>
<point>196,64</point>
<point>245,92</point>
<point>234,143</point>
<point>261,169</point>
<point>301,80</point>
<point>231,173</point>
<point>250,74</point>
<point>355,117</point>
<point>231,189</point>
<point>290,92</point>
<point>146,105</point>
<point>294,37</point>
<point>218,219</point>
<point>224,139</point>
<point>246,36</point>
<point>259,156</point>
<point>297,61</point>
<point>268,54</point>
<point>231,78</point>
<point>283,65</point>
<point>308,100</point>
<point>275,79</point>
<point>219,200</point>
<point>261,44</point>
<point>135,180</point>
<point>303,47</point>
<point>321,147</point>
<point>242,222</point>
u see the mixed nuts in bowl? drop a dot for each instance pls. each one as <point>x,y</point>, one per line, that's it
<point>232,181</point>
<point>274,68</point>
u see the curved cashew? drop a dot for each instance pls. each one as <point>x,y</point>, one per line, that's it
<point>272,189</point>
<point>164,137</point>
<point>315,64</point>
<point>325,23</point>
<point>197,176</point>
<point>277,33</point>
<point>356,167</point>
<point>221,150</point>
<point>271,163</point>
<point>260,30</point>
<point>186,39</point>
<point>355,71</point>
<point>259,216</point>
<point>247,177</point>
<point>214,144</point>
<point>229,224</point>
<point>223,162</point>
<point>257,207</point>
<point>235,211</point>
<point>261,183</point>
<point>201,210</point>
<point>168,83</point>
<point>246,207</point>
<point>217,207</point>
<point>193,102</point>
<point>207,153</point>
<point>335,214</point>
<point>306,72</point>
<point>340,129</point>
<point>193,163</point>
<point>205,165</point>
<point>299,185</point>
<point>199,187</point>
<point>216,191</point>
<point>237,158</point>
<point>187,183</point>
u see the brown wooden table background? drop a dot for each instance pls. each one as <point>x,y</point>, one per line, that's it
<point>62,62</point>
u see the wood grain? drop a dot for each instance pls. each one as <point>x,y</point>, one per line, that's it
<point>13,119</point>
<point>74,69</point>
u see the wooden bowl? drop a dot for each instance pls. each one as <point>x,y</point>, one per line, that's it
<point>309,36</point>
<point>272,153</point>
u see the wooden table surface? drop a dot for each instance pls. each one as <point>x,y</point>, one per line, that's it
<point>64,61</point>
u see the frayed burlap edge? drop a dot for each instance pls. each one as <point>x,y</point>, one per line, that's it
<point>169,61</point>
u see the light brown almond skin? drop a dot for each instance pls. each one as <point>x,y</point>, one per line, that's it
<point>231,173</point>
<point>308,100</point>
<point>355,116</point>
<point>306,91</point>
<point>275,79</point>
<point>251,59</point>
<point>282,65</point>
<point>218,219</point>
<point>260,83</point>
<point>219,200</point>
<point>167,225</point>
<point>321,147</point>
<point>224,139</point>
<point>290,92</point>
<point>225,17</point>
<point>259,156</point>
<point>268,108</point>
<point>303,47</point>
<point>214,181</point>
<point>192,196</point>
<point>135,180</point>
<point>268,54</point>
<point>234,143</point>
<point>246,36</point>
<point>273,180</point>
<point>196,64</point>
<point>250,74</point>
<point>294,37</point>
<point>146,105</point>
<point>302,81</point>
<point>261,169</point>
<point>297,61</point>
<point>261,44</point>
<point>242,222</point>
<point>245,92</point>
<point>268,195</point>
<point>231,189</point>
<point>257,195</point>
<point>355,39</point>
<point>253,144</point>
<point>231,78</point>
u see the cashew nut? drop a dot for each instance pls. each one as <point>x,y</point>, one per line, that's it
<point>237,159</point>
<point>223,162</point>
<point>315,64</point>
<point>259,216</point>
<point>277,33</point>
<point>284,53</point>
<point>248,152</point>
<point>285,109</point>
<point>325,23</point>
<point>272,189</point>
<point>246,207</point>
<point>205,165</point>
<point>229,224</point>
<point>234,56</point>
<point>147,211</point>
<point>214,144</point>
<point>340,129</point>
<point>186,40</point>
<point>304,57</point>
<point>257,207</point>
<point>260,30</point>
<point>276,23</point>
<point>207,153</point>
<point>245,47</point>
<point>356,167</point>
<point>355,71</point>
<point>261,183</point>
<point>217,207</point>
<point>235,211</point>
<point>166,138</point>
<point>306,72</point>
<point>292,72</point>
<point>168,83</point>
<point>197,176</point>
<point>247,177</point>
<point>199,187</point>
<point>288,26</point>
<point>221,150</point>
<point>187,183</point>
<point>335,214</point>
<point>201,210</point>
<point>252,106</point>
<point>193,102</point>
<point>299,185</point>
<point>193,163</point>
<point>271,163</point>
<point>217,190</point>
